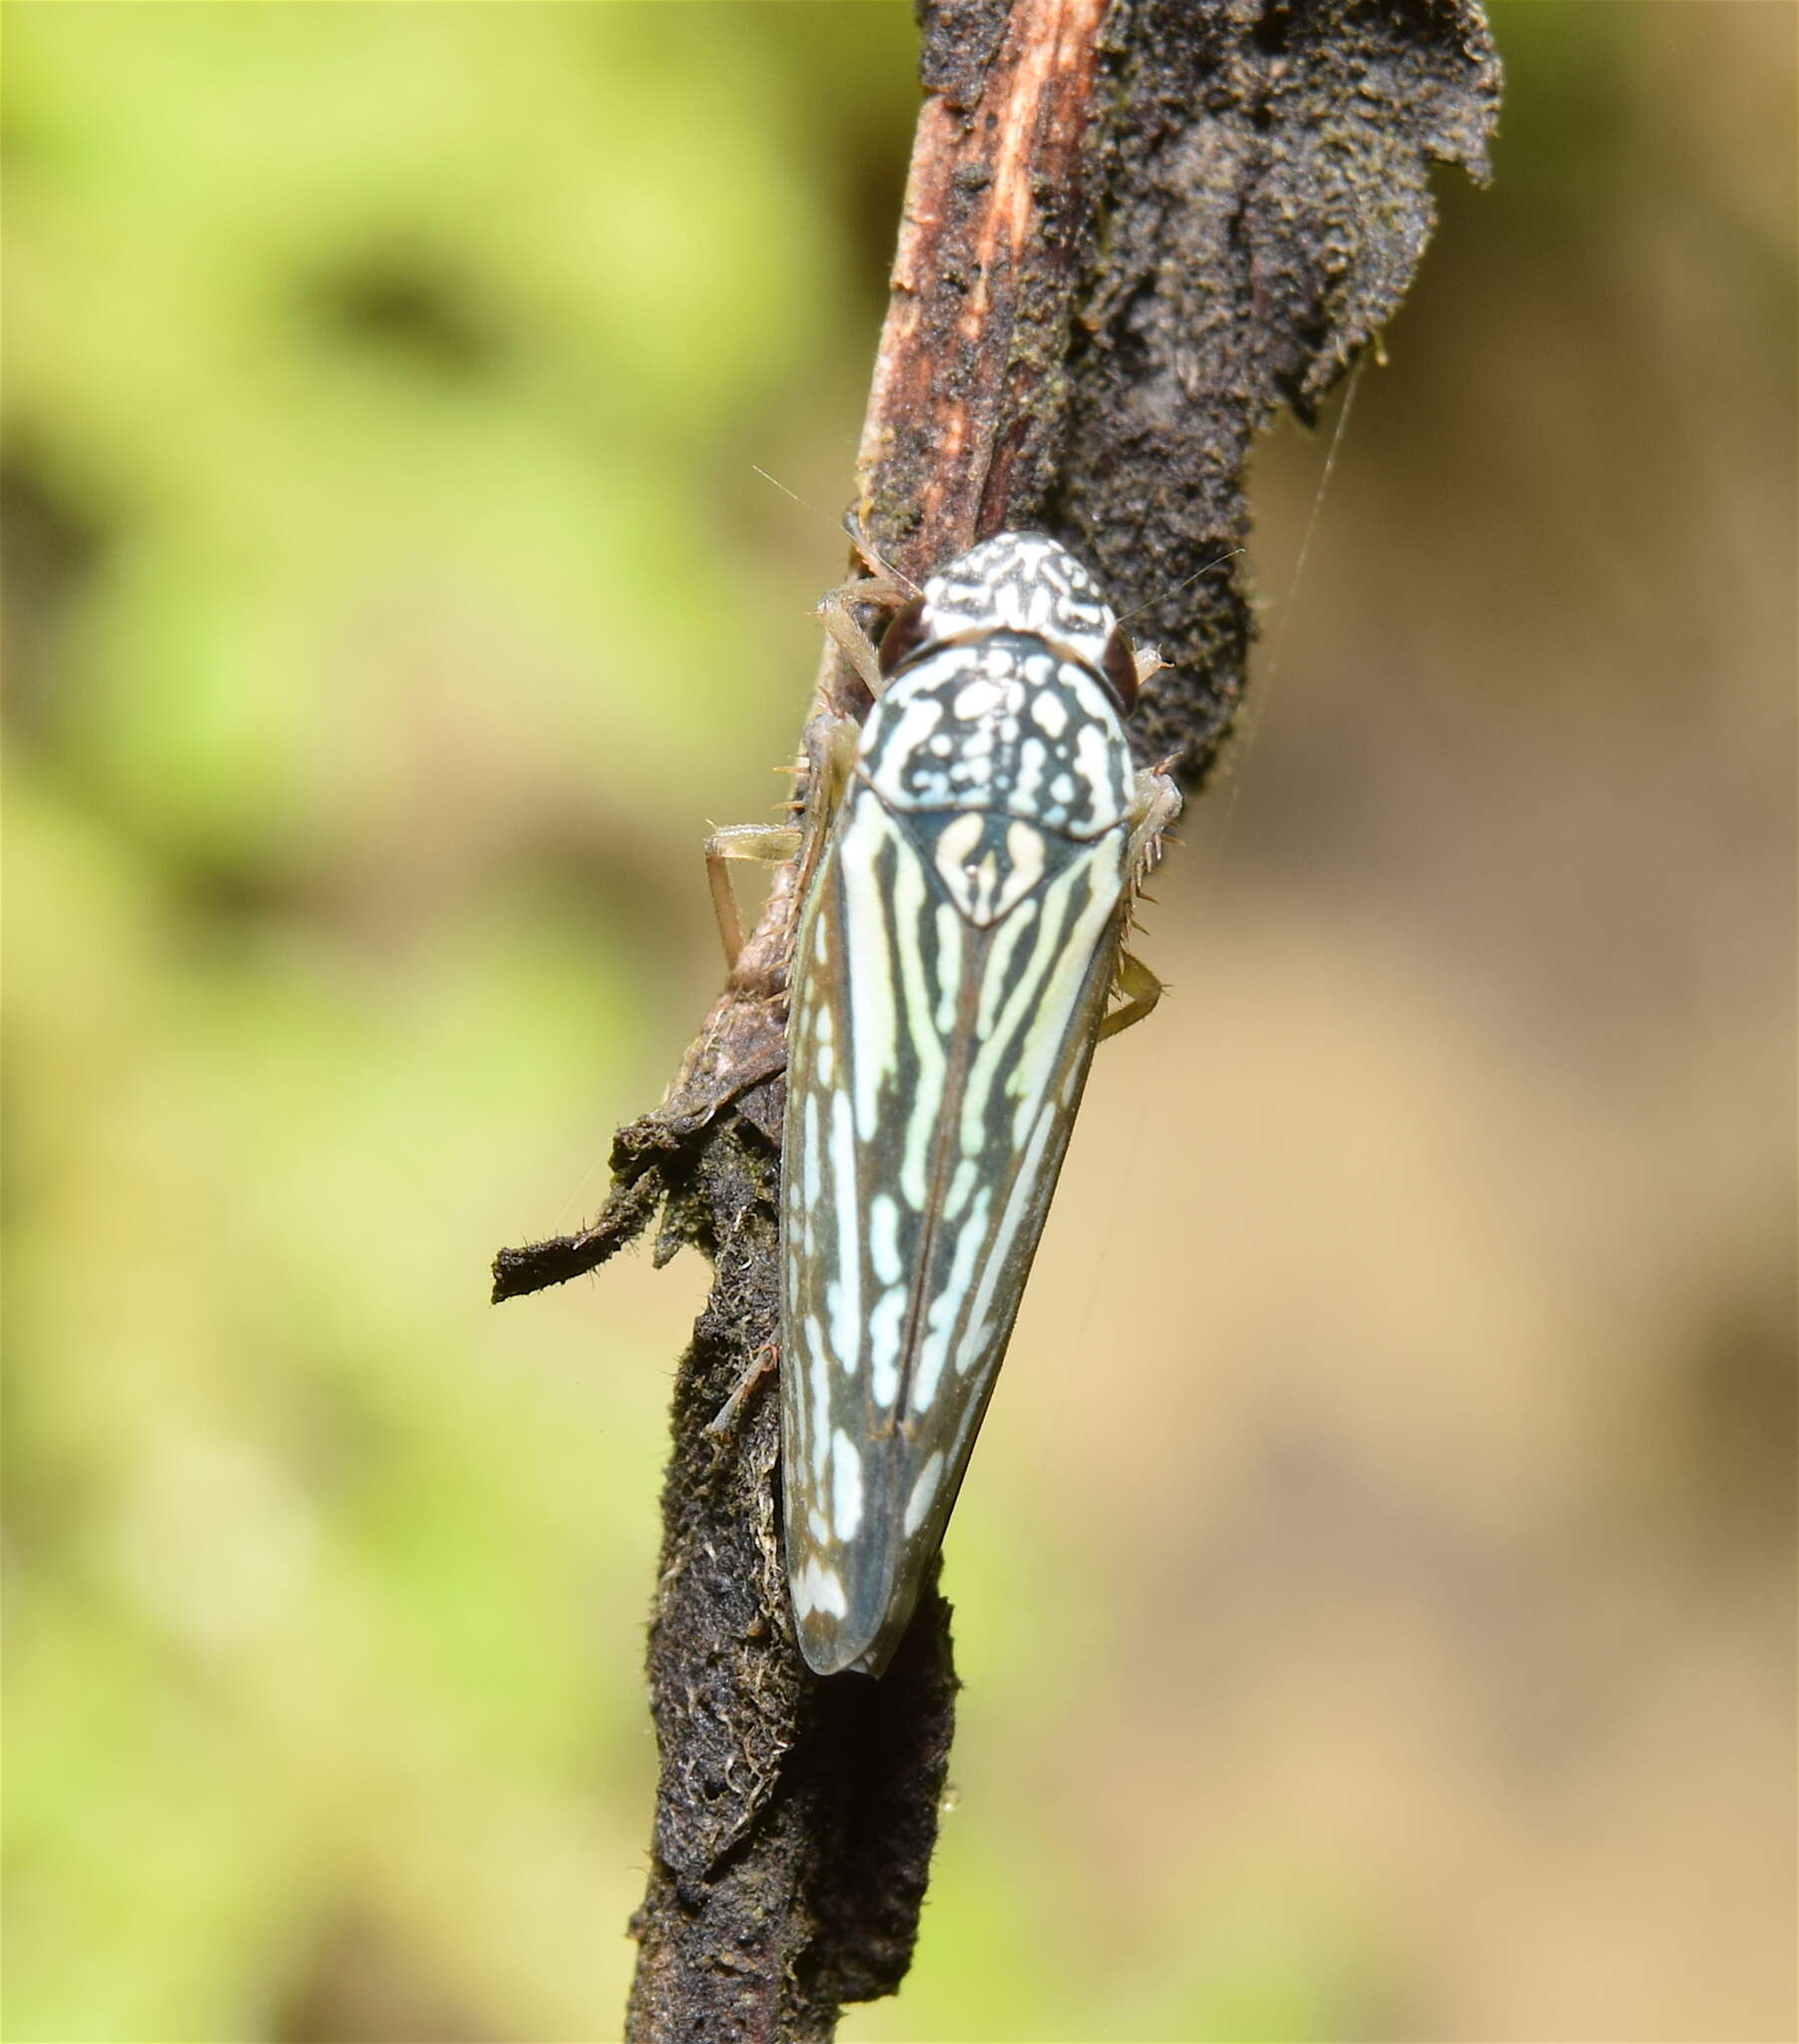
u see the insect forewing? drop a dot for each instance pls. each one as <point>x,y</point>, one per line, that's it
<point>950,975</point>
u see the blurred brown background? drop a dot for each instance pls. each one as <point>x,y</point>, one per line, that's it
<point>1375,1580</point>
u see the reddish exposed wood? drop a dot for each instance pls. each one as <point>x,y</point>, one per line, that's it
<point>990,245</point>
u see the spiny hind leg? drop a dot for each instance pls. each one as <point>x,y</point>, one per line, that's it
<point>1139,989</point>
<point>1155,804</point>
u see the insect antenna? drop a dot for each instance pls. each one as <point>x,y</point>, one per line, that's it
<point>1125,616</point>
<point>849,524</point>
<point>865,547</point>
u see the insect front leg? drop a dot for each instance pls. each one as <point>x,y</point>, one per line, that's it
<point>836,613</point>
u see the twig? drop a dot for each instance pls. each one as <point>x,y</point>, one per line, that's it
<point>1131,235</point>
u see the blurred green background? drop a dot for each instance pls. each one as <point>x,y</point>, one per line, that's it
<point>1375,1580</point>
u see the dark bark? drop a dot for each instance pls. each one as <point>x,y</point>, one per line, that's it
<point>1130,236</point>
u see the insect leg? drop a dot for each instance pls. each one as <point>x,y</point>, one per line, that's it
<point>762,1363</point>
<point>1153,808</point>
<point>830,745</point>
<point>1141,990</point>
<point>837,615</point>
<point>1156,806</point>
<point>772,844</point>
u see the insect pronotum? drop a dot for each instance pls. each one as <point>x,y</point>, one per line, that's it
<point>958,951</point>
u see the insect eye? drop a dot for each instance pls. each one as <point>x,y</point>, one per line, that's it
<point>1118,665</point>
<point>903,636</point>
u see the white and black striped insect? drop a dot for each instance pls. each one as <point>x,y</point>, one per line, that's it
<point>960,945</point>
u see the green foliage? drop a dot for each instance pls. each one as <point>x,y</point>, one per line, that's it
<point>367,374</point>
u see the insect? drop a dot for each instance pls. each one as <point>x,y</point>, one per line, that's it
<point>960,945</point>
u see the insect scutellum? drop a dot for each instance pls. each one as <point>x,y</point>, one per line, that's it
<point>957,952</point>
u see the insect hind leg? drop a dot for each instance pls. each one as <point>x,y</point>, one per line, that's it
<point>1157,804</point>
